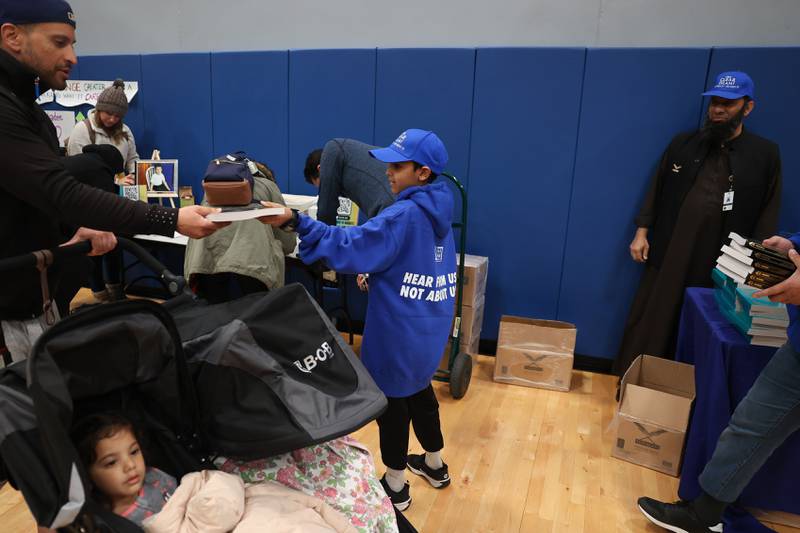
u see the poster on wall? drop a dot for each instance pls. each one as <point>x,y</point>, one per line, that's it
<point>64,121</point>
<point>79,92</point>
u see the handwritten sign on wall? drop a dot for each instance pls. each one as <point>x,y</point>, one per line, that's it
<point>79,92</point>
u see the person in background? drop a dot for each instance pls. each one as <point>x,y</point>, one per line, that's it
<point>690,209</point>
<point>245,257</point>
<point>409,251</point>
<point>762,421</point>
<point>344,168</point>
<point>104,126</point>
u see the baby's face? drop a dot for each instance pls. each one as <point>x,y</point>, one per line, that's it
<point>119,469</point>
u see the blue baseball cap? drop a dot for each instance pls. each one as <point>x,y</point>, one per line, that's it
<point>36,11</point>
<point>421,146</point>
<point>732,85</point>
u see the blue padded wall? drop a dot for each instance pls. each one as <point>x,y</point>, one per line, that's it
<point>633,103</point>
<point>429,89</point>
<point>127,67</point>
<point>556,145</point>
<point>250,108</point>
<point>177,102</point>
<point>776,74</point>
<point>332,94</point>
<point>525,122</point>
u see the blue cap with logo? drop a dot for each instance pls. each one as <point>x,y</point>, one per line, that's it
<point>36,11</point>
<point>421,146</point>
<point>732,85</point>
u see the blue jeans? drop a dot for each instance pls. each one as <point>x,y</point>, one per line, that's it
<point>761,422</point>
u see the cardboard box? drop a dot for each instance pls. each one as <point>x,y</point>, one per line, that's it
<point>471,319</point>
<point>470,347</point>
<point>535,353</point>
<point>653,413</point>
<point>476,269</point>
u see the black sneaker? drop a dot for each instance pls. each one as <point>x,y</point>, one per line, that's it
<point>401,500</point>
<point>678,517</point>
<point>438,478</point>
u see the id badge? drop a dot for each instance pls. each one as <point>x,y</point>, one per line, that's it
<point>727,201</point>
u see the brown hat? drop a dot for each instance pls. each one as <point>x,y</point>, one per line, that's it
<point>112,99</point>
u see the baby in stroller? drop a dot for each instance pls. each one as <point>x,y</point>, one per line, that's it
<point>110,447</point>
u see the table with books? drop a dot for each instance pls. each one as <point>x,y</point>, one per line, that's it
<point>730,337</point>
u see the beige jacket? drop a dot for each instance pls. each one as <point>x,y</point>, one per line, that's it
<point>80,138</point>
<point>216,502</point>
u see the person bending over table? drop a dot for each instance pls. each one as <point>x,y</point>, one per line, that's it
<point>345,168</point>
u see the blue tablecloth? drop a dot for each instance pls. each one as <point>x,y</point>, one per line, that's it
<point>726,366</point>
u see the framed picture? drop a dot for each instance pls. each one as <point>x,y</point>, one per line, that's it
<point>158,176</point>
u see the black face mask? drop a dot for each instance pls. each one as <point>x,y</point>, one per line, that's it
<point>719,132</point>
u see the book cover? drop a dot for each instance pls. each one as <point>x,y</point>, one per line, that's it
<point>758,320</point>
<point>235,214</point>
<point>767,341</point>
<point>778,263</point>
<point>758,247</point>
<point>766,331</point>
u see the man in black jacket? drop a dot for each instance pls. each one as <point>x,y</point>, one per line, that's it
<point>710,182</point>
<point>41,204</point>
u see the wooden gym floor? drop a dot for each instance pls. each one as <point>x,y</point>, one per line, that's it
<point>521,459</point>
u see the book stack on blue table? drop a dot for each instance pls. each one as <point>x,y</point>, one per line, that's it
<point>763,322</point>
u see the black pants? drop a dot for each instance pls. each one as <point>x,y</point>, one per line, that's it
<point>421,410</point>
<point>106,269</point>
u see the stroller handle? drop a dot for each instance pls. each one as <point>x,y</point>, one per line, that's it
<point>175,284</point>
<point>59,253</point>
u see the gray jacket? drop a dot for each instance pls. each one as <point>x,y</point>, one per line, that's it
<point>80,138</point>
<point>248,247</point>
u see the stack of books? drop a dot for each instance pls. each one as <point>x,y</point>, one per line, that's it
<point>750,263</point>
<point>768,320</point>
<point>763,322</point>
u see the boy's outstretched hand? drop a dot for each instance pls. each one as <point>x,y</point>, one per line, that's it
<point>276,220</point>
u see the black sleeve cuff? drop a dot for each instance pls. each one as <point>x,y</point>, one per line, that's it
<point>162,220</point>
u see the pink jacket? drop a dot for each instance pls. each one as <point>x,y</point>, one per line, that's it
<point>215,502</point>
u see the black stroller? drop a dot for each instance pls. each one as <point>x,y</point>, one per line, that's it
<point>251,378</point>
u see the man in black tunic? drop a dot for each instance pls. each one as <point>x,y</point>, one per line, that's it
<point>689,210</point>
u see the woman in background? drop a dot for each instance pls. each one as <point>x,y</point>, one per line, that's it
<point>105,126</point>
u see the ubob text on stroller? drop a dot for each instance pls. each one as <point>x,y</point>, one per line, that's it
<point>251,378</point>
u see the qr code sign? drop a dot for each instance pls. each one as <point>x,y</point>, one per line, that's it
<point>131,192</point>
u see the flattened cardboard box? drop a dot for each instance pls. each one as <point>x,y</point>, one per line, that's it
<point>653,413</point>
<point>476,269</point>
<point>535,353</point>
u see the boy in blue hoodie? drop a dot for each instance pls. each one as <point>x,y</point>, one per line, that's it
<point>409,252</point>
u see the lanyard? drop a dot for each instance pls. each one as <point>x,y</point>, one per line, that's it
<point>727,198</point>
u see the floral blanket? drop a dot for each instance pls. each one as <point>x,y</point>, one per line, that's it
<point>339,472</point>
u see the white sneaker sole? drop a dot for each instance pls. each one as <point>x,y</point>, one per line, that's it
<point>674,529</point>
<point>402,506</point>
<point>435,483</point>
